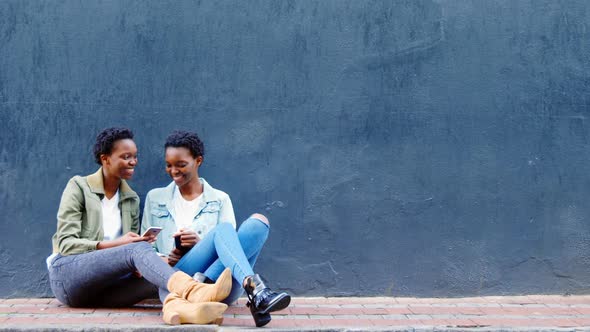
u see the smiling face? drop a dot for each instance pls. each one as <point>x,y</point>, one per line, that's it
<point>122,160</point>
<point>182,167</point>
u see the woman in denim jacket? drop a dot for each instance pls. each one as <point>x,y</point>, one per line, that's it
<point>98,258</point>
<point>199,236</point>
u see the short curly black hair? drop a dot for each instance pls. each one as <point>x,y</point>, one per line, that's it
<point>106,139</point>
<point>186,139</point>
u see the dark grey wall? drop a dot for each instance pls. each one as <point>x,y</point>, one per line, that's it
<point>424,148</point>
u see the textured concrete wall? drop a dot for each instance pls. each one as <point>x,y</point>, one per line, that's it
<point>425,148</point>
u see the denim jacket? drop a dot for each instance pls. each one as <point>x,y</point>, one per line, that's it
<point>215,207</point>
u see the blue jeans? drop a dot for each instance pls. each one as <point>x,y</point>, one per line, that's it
<point>224,247</point>
<point>104,278</point>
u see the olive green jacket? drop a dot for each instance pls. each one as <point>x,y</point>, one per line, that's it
<point>79,218</point>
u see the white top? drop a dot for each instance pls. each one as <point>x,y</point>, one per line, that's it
<point>111,217</point>
<point>185,210</point>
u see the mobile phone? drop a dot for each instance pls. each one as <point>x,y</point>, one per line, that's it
<point>178,246</point>
<point>152,231</point>
<point>177,243</point>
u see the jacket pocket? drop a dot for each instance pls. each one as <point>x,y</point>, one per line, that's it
<point>160,212</point>
<point>211,207</point>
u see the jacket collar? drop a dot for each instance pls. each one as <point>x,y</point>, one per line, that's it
<point>167,199</point>
<point>208,192</point>
<point>96,184</point>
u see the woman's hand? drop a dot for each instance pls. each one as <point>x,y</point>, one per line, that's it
<point>123,240</point>
<point>151,238</point>
<point>188,238</point>
<point>130,238</point>
<point>174,256</point>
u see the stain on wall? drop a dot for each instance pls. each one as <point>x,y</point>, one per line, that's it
<point>410,148</point>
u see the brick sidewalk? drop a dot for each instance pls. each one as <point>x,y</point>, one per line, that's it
<point>516,312</point>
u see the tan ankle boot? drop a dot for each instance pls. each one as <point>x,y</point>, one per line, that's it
<point>180,311</point>
<point>196,292</point>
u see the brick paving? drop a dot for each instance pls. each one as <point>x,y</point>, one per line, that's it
<point>337,313</point>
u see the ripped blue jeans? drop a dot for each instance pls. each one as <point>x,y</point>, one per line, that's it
<point>224,247</point>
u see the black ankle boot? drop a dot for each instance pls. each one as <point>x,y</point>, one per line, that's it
<point>262,300</point>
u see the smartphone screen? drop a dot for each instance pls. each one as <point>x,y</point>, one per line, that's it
<point>152,231</point>
<point>178,246</point>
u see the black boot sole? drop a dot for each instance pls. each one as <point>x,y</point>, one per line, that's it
<point>262,318</point>
<point>279,303</point>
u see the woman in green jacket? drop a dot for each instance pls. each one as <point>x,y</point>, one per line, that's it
<point>99,259</point>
